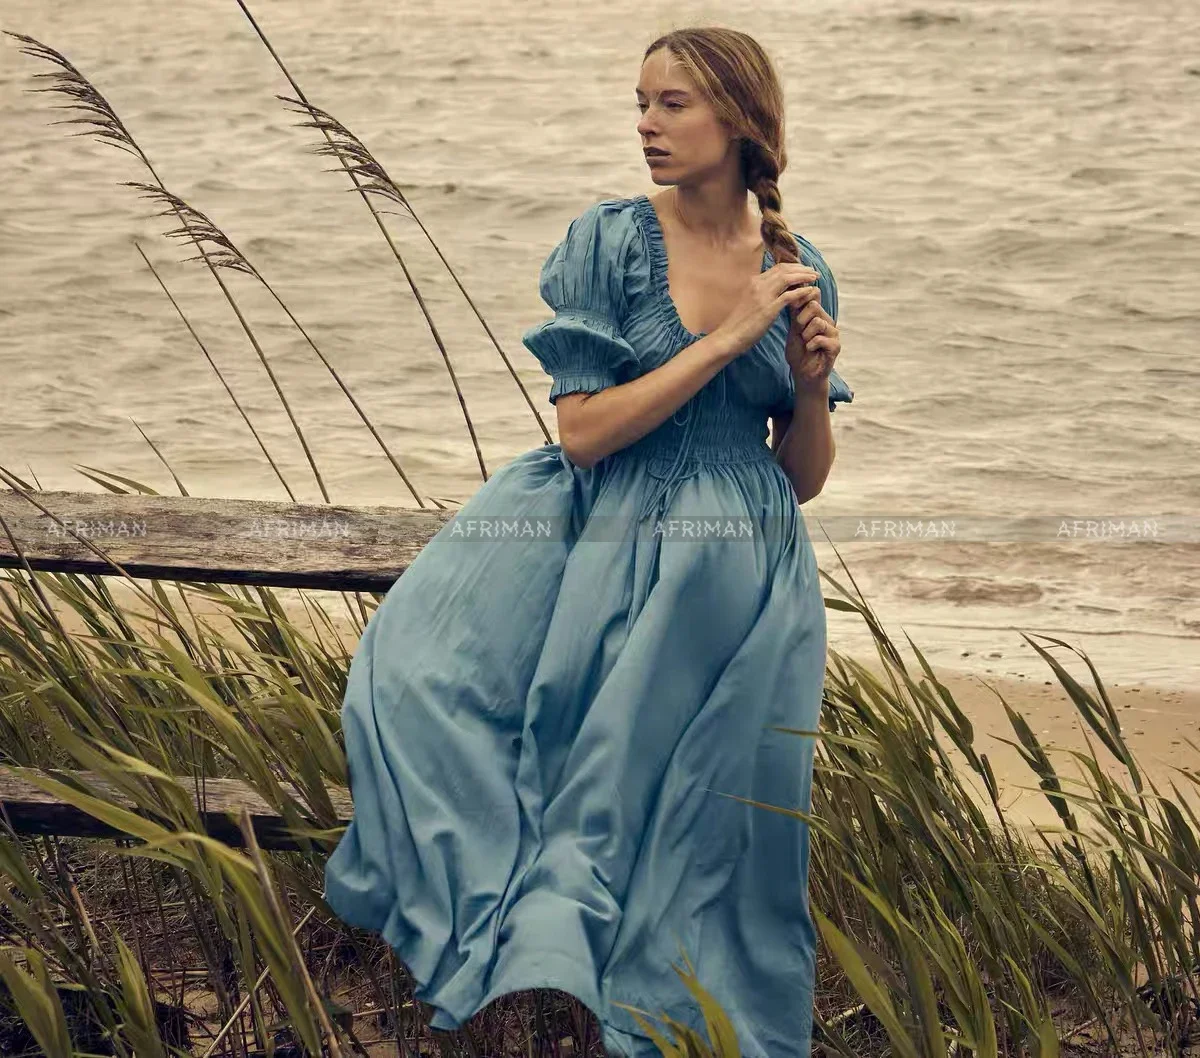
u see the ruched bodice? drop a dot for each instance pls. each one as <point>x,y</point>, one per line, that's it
<point>542,727</point>
<point>615,319</point>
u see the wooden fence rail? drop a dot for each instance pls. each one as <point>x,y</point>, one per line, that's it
<point>255,542</point>
<point>29,809</point>
<point>194,538</point>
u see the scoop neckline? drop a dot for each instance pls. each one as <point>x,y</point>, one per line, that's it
<point>655,243</point>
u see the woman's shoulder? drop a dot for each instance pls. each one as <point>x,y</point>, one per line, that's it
<point>604,243</point>
<point>600,260</point>
<point>603,226</point>
<point>809,254</point>
<point>612,210</point>
<point>611,221</point>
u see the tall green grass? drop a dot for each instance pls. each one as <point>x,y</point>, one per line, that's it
<point>945,929</point>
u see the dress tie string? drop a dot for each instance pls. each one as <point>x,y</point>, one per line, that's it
<point>662,494</point>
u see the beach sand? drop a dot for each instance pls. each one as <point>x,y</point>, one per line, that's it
<point>1160,725</point>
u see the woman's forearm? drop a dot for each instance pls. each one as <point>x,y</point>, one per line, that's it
<point>594,425</point>
<point>807,449</point>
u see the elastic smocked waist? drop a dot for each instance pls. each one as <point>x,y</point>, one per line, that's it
<point>697,450</point>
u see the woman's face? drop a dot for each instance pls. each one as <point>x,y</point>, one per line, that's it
<point>676,118</point>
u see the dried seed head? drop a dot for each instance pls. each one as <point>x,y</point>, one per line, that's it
<point>197,228</point>
<point>66,80</point>
<point>349,150</point>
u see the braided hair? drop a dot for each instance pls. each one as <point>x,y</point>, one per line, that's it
<point>738,78</point>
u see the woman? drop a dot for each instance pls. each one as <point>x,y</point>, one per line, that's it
<point>541,725</point>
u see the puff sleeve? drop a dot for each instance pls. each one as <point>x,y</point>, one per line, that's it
<point>839,391</point>
<point>582,348</point>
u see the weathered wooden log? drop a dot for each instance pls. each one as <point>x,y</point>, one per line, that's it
<point>31,810</point>
<point>194,538</point>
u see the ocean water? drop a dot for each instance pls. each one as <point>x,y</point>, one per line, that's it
<point>1008,192</point>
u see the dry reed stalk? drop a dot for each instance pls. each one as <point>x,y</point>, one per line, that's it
<point>245,1000</point>
<point>67,80</point>
<point>283,921</point>
<point>217,371</point>
<point>341,144</point>
<point>198,228</point>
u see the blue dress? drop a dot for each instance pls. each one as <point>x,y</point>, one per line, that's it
<point>540,722</point>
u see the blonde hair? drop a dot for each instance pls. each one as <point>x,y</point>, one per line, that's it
<point>739,80</point>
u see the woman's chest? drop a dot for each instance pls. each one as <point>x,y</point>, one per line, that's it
<point>705,289</point>
<point>758,378</point>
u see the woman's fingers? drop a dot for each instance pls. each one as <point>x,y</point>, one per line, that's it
<point>811,318</point>
<point>815,326</point>
<point>783,277</point>
<point>800,298</point>
<point>817,332</point>
<point>813,341</point>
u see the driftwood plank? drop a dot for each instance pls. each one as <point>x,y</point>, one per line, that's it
<point>194,538</point>
<point>31,810</point>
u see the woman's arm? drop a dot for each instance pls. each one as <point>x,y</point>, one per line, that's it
<point>594,425</point>
<point>803,441</point>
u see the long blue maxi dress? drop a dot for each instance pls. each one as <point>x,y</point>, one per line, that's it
<point>541,724</point>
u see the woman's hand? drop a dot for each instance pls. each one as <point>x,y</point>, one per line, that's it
<point>813,344</point>
<point>781,286</point>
